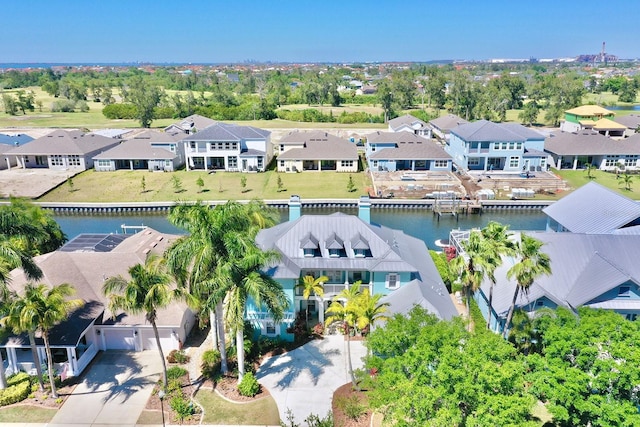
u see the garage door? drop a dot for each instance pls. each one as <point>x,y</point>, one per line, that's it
<point>116,339</point>
<point>149,340</point>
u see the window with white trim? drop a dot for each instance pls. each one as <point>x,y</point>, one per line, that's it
<point>359,253</point>
<point>104,163</point>
<point>514,161</point>
<point>56,160</point>
<point>518,145</point>
<point>473,161</point>
<point>543,162</point>
<point>624,291</point>
<point>392,281</point>
<point>334,276</point>
<point>440,163</point>
<point>233,162</point>
<point>346,163</point>
<point>270,328</point>
<point>611,161</point>
<point>74,160</point>
<point>631,160</point>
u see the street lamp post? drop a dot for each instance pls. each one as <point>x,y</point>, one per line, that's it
<point>161,395</point>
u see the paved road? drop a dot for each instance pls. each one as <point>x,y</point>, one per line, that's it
<point>304,379</point>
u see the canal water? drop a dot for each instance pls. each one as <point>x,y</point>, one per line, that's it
<point>420,223</point>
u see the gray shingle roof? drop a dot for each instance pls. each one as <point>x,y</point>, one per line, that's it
<point>408,146</point>
<point>136,149</point>
<point>65,142</point>
<point>319,145</point>
<point>484,130</point>
<point>406,120</point>
<point>390,251</point>
<point>228,132</point>
<point>593,209</point>
<point>448,122</point>
<point>584,266</point>
<point>590,143</point>
<point>632,121</point>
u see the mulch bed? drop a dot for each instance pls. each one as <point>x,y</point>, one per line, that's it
<point>340,418</point>
<point>227,386</point>
<point>44,399</point>
<point>154,404</point>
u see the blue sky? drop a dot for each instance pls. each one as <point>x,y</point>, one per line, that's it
<point>216,31</point>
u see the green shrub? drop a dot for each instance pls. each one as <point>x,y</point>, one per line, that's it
<point>17,379</point>
<point>351,406</point>
<point>210,363</point>
<point>16,393</point>
<point>314,420</point>
<point>175,372</point>
<point>182,407</point>
<point>174,385</point>
<point>249,385</point>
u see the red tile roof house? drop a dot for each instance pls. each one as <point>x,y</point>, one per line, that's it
<point>62,150</point>
<point>149,150</point>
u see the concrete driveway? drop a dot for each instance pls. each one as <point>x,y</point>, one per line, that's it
<point>114,391</point>
<point>304,379</point>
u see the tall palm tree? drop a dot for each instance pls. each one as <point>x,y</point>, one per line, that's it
<point>194,258</point>
<point>311,285</point>
<point>499,244</point>
<point>344,308</point>
<point>39,310</point>
<point>533,264</point>
<point>472,266</point>
<point>370,309</point>
<point>241,277</point>
<point>148,290</point>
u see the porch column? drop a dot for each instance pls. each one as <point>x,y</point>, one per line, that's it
<point>575,162</point>
<point>71,362</point>
<point>187,163</point>
<point>204,158</point>
<point>319,165</point>
<point>321,310</point>
<point>12,359</point>
<point>131,164</point>
<point>559,163</point>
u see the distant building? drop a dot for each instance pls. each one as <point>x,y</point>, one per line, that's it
<point>443,125</point>
<point>584,117</point>
<point>411,124</point>
<point>316,151</point>
<point>9,142</point>
<point>391,151</point>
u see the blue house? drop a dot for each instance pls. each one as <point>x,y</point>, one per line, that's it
<point>8,142</point>
<point>346,249</point>
<point>404,150</point>
<point>488,146</point>
<point>593,270</point>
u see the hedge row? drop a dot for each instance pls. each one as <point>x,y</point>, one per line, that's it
<point>18,389</point>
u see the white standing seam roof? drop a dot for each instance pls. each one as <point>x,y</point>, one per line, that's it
<point>593,208</point>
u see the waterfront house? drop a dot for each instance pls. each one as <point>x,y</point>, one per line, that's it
<point>8,142</point>
<point>584,117</point>
<point>441,127</point>
<point>631,123</point>
<point>228,147</point>
<point>488,146</point>
<point>593,270</point>
<point>346,249</point>
<point>85,263</point>
<point>391,151</point>
<point>587,147</point>
<point>62,150</point>
<point>409,123</point>
<point>300,151</point>
<point>149,150</point>
<point>594,209</point>
<point>190,125</point>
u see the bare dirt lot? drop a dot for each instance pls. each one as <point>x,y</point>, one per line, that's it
<point>30,183</point>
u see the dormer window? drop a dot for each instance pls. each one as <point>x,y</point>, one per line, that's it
<point>359,253</point>
<point>360,246</point>
<point>335,246</point>
<point>309,253</point>
<point>309,246</point>
<point>334,253</point>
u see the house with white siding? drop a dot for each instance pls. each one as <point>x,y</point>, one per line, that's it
<point>409,123</point>
<point>301,151</point>
<point>392,151</point>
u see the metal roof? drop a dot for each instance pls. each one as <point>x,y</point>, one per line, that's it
<point>593,209</point>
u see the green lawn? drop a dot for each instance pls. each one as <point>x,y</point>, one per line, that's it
<point>119,186</point>
<point>26,414</point>
<point>219,411</point>
<point>577,178</point>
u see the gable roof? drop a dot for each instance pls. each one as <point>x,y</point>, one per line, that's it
<point>608,124</point>
<point>65,142</point>
<point>407,120</point>
<point>389,251</point>
<point>408,146</point>
<point>228,132</point>
<point>588,142</point>
<point>318,145</point>
<point>484,130</point>
<point>584,267</point>
<point>448,122</point>
<point>593,209</point>
<point>194,121</point>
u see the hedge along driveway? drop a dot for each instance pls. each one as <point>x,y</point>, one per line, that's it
<point>126,186</point>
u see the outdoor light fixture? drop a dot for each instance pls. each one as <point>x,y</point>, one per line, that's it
<point>161,396</point>
<point>98,332</point>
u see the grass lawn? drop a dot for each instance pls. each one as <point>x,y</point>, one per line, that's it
<point>26,414</point>
<point>578,178</point>
<point>219,411</point>
<point>119,186</point>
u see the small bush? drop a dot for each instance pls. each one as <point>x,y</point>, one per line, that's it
<point>174,385</point>
<point>318,329</point>
<point>182,407</point>
<point>210,363</point>
<point>249,385</point>
<point>17,379</point>
<point>178,356</point>
<point>15,394</point>
<point>314,420</point>
<point>175,372</point>
<point>351,406</point>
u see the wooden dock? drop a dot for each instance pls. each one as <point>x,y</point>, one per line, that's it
<point>456,206</point>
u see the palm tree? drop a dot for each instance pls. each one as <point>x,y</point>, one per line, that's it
<point>194,258</point>
<point>472,266</point>
<point>311,285</point>
<point>533,264</point>
<point>148,290</point>
<point>370,309</point>
<point>240,278</point>
<point>344,308</point>
<point>39,310</point>
<point>627,181</point>
<point>497,235</point>
<point>589,167</point>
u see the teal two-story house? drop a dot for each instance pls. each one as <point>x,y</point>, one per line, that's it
<point>488,146</point>
<point>346,249</point>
